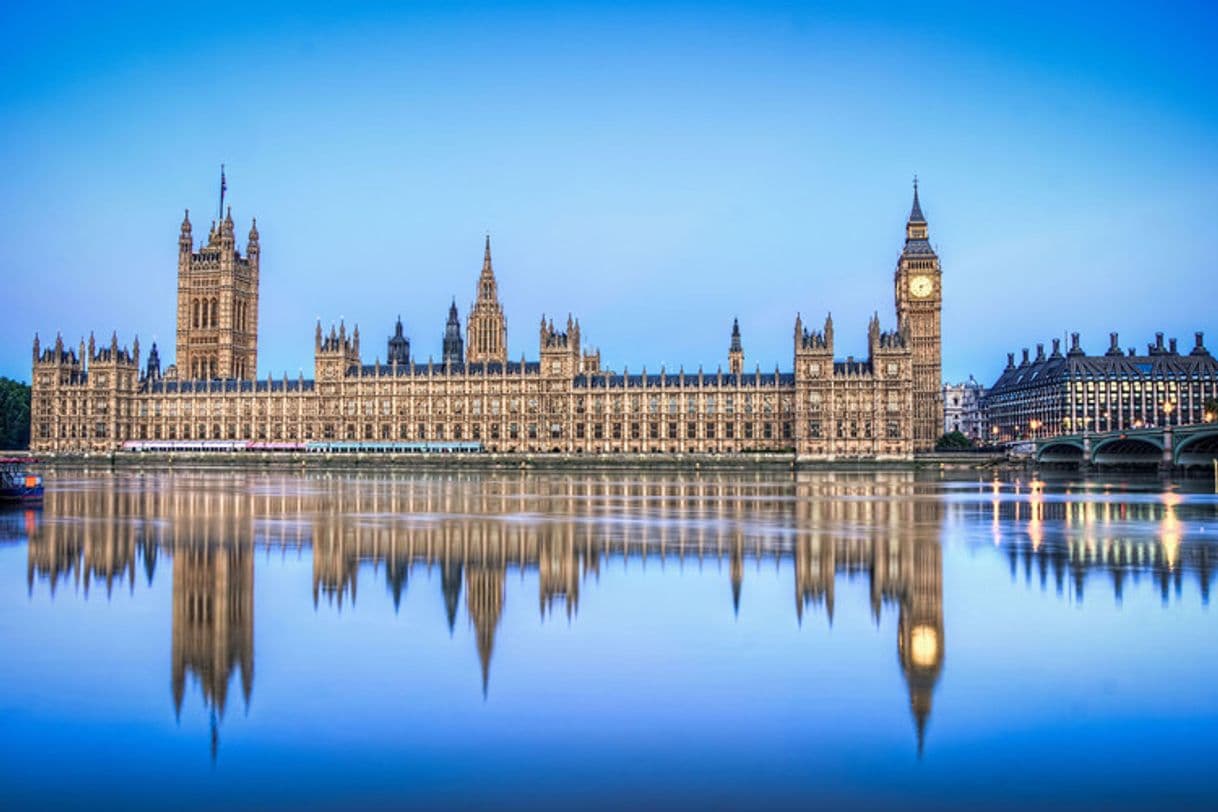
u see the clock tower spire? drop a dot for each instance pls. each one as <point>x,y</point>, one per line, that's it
<point>919,300</point>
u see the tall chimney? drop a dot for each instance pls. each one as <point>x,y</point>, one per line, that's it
<point>1199,344</point>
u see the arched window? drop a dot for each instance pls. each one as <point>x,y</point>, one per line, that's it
<point>195,308</point>
<point>215,312</point>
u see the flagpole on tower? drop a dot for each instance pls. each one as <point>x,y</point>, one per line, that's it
<point>223,188</point>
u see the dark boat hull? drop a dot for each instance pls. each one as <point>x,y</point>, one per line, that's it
<point>20,495</point>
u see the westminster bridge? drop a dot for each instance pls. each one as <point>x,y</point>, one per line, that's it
<point>1167,448</point>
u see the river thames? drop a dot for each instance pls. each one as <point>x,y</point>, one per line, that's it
<point>587,640</point>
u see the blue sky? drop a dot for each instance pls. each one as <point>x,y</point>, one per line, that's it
<point>656,169</point>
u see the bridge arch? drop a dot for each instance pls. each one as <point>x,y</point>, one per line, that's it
<point>1199,448</point>
<point>1144,449</point>
<point>1063,450</point>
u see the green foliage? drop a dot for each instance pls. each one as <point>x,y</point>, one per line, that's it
<point>953,441</point>
<point>1211,409</point>
<point>14,414</point>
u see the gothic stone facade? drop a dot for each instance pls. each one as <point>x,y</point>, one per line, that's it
<point>888,406</point>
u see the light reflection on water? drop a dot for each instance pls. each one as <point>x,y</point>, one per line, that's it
<point>674,638</point>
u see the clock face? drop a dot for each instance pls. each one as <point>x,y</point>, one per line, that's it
<point>921,286</point>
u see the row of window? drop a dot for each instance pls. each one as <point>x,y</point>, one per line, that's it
<point>842,429</point>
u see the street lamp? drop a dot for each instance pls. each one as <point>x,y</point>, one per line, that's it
<point>1168,406</point>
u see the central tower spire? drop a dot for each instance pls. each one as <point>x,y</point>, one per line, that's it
<point>487,327</point>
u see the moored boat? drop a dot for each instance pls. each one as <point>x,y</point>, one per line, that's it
<point>17,484</point>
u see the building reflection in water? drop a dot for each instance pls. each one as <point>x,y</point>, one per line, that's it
<point>213,623</point>
<point>1063,536</point>
<point>477,528</point>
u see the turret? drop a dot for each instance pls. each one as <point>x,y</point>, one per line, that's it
<point>454,345</point>
<point>337,354</point>
<point>153,370</point>
<point>399,347</point>
<point>735,352</point>
<point>185,240</point>
<point>590,363</point>
<point>251,247</point>
<point>559,351</point>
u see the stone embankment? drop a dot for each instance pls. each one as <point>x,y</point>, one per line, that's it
<point>558,462</point>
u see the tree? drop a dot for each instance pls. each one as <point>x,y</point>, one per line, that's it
<point>953,441</point>
<point>14,414</point>
<point>1211,410</point>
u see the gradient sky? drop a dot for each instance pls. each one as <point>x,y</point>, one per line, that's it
<point>654,168</point>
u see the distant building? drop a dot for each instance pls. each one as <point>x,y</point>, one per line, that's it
<point>963,409</point>
<point>1075,392</point>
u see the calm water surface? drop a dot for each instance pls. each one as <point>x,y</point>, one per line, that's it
<point>587,640</point>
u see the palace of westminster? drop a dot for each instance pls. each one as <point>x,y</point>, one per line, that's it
<point>98,398</point>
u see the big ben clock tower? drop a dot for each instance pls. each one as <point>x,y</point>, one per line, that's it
<point>919,295</point>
